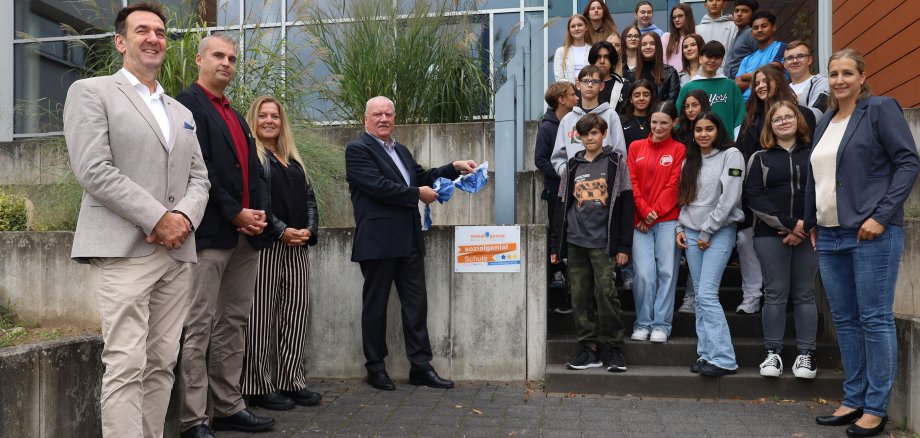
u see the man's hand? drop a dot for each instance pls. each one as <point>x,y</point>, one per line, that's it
<point>427,194</point>
<point>170,231</point>
<point>464,166</point>
<point>295,237</point>
<point>250,222</point>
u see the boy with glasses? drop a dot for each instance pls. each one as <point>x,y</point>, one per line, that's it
<point>568,142</point>
<point>811,89</point>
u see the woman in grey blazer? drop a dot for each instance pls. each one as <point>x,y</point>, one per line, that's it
<point>863,167</point>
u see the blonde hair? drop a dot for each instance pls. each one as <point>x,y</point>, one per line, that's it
<point>285,148</point>
<point>802,134</point>
<point>568,36</point>
<point>857,58</point>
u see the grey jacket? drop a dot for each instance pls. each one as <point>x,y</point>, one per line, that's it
<point>718,194</point>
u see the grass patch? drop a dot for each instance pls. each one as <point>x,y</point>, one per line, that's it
<point>14,331</point>
<point>325,164</point>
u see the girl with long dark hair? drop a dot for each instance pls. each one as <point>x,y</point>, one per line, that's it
<point>651,66</point>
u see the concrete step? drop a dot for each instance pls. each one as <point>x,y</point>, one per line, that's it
<point>684,324</point>
<point>674,381</point>
<point>681,352</point>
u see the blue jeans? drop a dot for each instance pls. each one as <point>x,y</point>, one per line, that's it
<point>714,342</point>
<point>859,280</point>
<point>656,259</point>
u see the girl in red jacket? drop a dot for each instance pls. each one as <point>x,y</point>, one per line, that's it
<point>654,168</point>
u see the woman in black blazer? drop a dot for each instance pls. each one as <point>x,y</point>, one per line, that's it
<point>863,167</point>
<point>278,322</point>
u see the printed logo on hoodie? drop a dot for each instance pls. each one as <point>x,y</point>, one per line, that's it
<point>717,98</point>
<point>573,137</point>
<point>666,160</point>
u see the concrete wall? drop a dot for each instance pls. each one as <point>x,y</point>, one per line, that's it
<point>51,389</point>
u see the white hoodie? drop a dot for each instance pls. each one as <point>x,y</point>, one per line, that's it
<point>721,29</point>
<point>568,143</point>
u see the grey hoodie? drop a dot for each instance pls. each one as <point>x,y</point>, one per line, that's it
<point>721,29</point>
<point>718,194</point>
<point>568,143</point>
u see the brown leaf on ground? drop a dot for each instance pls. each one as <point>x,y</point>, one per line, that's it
<point>572,394</point>
<point>458,406</point>
<point>363,405</point>
<point>477,412</point>
<point>513,433</point>
<point>822,401</point>
<point>527,393</point>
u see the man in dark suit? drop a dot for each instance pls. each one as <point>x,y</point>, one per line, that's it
<point>228,244</point>
<point>386,185</point>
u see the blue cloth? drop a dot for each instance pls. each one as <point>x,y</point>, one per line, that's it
<point>445,189</point>
<point>656,259</point>
<point>772,53</point>
<point>714,342</point>
<point>859,280</point>
<point>474,181</point>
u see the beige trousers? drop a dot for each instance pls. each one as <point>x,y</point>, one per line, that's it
<point>215,336</point>
<point>143,302</point>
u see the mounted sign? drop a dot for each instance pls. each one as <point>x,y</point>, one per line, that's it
<point>487,249</point>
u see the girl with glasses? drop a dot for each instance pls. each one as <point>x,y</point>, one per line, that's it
<point>630,37</point>
<point>775,192</point>
<point>682,25</point>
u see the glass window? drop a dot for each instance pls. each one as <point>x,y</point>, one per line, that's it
<point>263,11</point>
<point>42,74</point>
<point>45,18</point>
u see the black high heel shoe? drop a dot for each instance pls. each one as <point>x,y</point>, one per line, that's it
<point>839,420</point>
<point>857,431</point>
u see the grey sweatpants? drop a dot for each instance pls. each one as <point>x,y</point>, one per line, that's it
<point>788,271</point>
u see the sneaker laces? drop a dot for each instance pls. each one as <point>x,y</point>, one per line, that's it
<point>771,360</point>
<point>805,360</point>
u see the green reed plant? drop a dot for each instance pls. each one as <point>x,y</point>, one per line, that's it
<point>421,59</point>
<point>325,165</point>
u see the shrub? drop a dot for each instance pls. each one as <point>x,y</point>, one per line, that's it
<point>13,212</point>
<point>420,59</point>
<point>325,165</point>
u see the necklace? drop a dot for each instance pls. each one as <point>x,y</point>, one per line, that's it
<point>639,122</point>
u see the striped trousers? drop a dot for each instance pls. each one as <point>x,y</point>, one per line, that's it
<point>278,323</point>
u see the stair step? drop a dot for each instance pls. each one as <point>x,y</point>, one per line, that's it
<point>674,381</point>
<point>729,297</point>
<point>684,324</point>
<point>681,352</point>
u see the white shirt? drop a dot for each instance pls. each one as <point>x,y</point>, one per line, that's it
<point>580,57</point>
<point>801,87</point>
<point>390,149</point>
<point>154,101</point>
<point>824,166</point>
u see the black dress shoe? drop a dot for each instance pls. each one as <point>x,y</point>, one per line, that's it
<point>857,431</point>
<point>243,421</point>
<point>273,401</point>
<point>304,397</point>
<point>197,431</point>
<point>695,366</point>
<point>429,378</point>
<point>712,370</point>
<point>380,380</point>
<point>839,420</point>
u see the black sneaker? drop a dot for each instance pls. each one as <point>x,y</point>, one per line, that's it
<point>585,360</point>
<point>566,307</point>
<point>616,360</point>
<point>804,366</point>
<point>712,370</point>
<point>695,367</point>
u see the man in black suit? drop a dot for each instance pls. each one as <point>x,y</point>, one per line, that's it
<point>228,257</point>
<point>386,185</point>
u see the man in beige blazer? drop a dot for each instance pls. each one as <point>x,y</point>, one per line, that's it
<point>135,152</point>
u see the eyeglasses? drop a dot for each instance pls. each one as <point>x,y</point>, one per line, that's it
<point>784,119</point>
<point>631,36</point>
<point>797,58</point>
<point>589,81</point>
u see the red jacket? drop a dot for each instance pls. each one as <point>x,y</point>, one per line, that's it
<point>654,169</point>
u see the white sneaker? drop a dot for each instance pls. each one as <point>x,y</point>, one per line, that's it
<point>658,336</point>
<point>772,366</point>
<point>749,306</point>
<point>640,334</point>
<point>804,366</point>
<point>689,305</point>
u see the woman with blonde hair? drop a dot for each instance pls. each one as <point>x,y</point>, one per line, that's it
<point>278,320</point>
<point>572,56</point>
<point>863,167</point>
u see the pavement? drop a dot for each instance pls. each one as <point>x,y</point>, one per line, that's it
<point>351,408</point>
